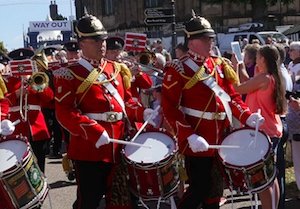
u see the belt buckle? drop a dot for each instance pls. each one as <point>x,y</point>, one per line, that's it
<point>217,115</point>
<point>111,116</point>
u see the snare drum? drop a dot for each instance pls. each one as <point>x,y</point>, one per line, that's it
<point>250,168</point>
<point>22,184</point>
<point>152,172</point>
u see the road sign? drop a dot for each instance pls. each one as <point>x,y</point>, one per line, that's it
<point>158,12</point>
<point>158,21</point>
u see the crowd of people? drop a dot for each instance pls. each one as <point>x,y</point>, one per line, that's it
<point>95,97</point>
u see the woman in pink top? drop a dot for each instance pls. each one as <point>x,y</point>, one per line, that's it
<point>265,91</point>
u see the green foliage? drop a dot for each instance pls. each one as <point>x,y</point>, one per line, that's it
<point>60,17</point>
<point>2,48</point>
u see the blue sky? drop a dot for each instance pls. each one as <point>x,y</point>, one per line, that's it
<point>15,16</point>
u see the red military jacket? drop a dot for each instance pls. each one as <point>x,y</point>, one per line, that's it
<point>35,126</point>
<point>140,81</point>
<point>72,108</point>
<point>176,95</point>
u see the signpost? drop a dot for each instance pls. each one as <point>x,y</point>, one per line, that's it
<point>161,16</point>
<point>158,16</point>
<point>158,21</point>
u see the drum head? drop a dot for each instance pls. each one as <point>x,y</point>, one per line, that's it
<point>161,147</point>
<point>250,151</point>
<point>11,152</point>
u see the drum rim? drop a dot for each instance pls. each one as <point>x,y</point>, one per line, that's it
<point>165,160</point>
<point>19,164</point>
<point>269,150</point>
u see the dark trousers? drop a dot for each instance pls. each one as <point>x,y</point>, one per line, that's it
<point>205,182</point>
<point>39,150</point>
<point>278,145</point>
<point>55,130</point>
<point>91,179</point>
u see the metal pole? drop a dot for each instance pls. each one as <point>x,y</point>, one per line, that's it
<point>174,38</point>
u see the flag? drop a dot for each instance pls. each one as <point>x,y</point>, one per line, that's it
<point>135,42</point>
<point>22,67</point>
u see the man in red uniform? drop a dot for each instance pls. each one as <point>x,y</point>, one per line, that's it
<point>198,101</point>
<point>93,102</point>
<point>34,125</point>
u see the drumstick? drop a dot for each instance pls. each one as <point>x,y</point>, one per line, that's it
<point>144,125</point>
<point>16,122</point>
<point>256,129</point>
<point>223,146</point>
<point>129,143</point>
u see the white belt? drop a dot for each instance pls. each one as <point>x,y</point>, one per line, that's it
<point>29,107</point>
<point>205,115</point>
<point>106,116</point>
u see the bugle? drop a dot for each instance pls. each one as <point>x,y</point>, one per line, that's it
<point>39,81</point>
<point>124,60</point>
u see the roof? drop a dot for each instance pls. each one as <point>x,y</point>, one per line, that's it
<point>292,30</point>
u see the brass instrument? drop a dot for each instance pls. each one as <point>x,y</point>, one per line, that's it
<point>39,81</point>
<point>124,60</point>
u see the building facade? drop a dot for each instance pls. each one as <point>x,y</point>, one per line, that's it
<point>119,15</point>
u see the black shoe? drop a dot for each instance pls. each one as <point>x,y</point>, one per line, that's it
<point>71,176</point>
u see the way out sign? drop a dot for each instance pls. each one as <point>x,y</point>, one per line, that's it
<point>62,25</point>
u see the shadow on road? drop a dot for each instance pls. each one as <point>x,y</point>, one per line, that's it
<point>54,162</point>
<point>59,184</point>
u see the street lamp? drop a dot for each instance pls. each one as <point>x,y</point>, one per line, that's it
<point>174,38</point>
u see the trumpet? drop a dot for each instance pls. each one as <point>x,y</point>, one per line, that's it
<point>143,66</point>
<point>39,81</point>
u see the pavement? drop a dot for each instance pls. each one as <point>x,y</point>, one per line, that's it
<point>63,193</point>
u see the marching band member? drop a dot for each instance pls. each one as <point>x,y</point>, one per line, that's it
<point>72,49</point>
<point>7,127</point>
<point>198,101</point>
<point>34,128</point>
<point>93,102</point>
<point>140,80</point>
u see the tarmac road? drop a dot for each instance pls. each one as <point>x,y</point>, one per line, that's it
<point>63,192</point>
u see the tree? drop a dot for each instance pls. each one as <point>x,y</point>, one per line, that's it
<point>259,7</point>
<point>2,48</point>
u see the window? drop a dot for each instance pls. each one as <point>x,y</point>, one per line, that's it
<point>151,3</point>
<point>108,7</point>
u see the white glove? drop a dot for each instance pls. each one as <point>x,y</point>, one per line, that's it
<point>197,143</point>
<point>7,127</point>
<point>253,118</point>
<point>104,139</point>
<point>149,115</point>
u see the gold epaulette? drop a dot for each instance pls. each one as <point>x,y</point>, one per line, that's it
<point>229,72</point>
<point>176,64</point>
<point>125,72</point>
<point>3,89</point>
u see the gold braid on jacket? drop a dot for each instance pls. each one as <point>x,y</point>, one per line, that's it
<point>125,72</point>
<point>3,89</point>
<point>229,72</point>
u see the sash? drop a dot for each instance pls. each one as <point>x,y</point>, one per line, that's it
<point>102,77</point>
<point>210,82</point>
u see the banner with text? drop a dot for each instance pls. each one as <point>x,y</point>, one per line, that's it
<point>62,25</point>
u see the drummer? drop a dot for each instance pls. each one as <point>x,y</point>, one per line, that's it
<point>199,112</point>
<point>95,80</point>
